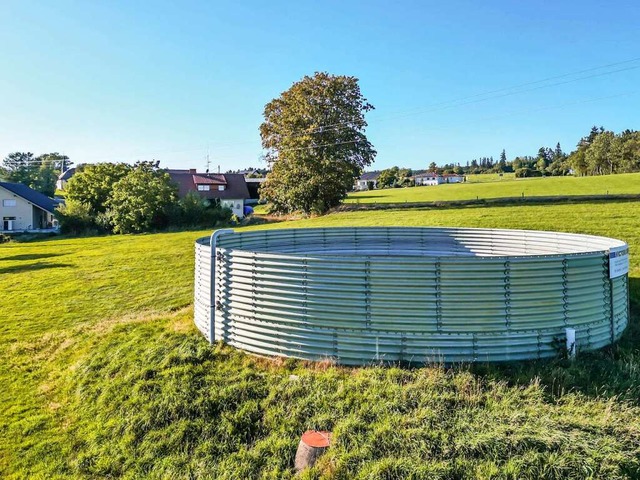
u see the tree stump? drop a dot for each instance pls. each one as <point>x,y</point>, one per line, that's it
<point>312,445</point>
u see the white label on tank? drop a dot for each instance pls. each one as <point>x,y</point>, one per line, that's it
<point>618,261</point>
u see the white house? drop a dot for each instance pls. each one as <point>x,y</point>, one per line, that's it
<point>433,178</point>
<point>23,208</point>
<point>64,177</point>
<point>426,179</point>
<point>363,182</point>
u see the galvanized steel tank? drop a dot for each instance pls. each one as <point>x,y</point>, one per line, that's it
<point>363,295</point>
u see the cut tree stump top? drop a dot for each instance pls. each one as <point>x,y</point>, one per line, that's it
<point>318,439</point>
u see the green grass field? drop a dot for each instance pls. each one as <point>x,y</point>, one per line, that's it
<point>493,186</point>
<point>104,375</point>
<point>490,177</point>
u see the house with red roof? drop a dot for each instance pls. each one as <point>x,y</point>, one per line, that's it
<point>226,189</point>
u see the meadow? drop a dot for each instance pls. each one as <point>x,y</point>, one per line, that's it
<point>489,177</point>
<point>492,186</point>
<point>104,375</point>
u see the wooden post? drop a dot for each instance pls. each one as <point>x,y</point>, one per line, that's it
<point>312,445</point>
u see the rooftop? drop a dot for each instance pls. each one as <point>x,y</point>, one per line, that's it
<point>188,181</point>
<point>370,175</point>
<point>31,195</point>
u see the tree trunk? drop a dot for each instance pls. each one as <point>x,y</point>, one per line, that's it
<point>312,445</point>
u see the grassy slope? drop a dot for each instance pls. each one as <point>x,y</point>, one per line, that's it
<point>509,187</point>
<point>490,177</point>
<point>103,374</point>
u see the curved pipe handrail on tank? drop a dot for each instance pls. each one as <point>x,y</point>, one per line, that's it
<point>359,295</point>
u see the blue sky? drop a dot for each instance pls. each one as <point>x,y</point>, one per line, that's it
<point>126,81</point>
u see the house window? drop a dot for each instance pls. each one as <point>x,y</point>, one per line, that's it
<point>203,188</point>
<point>9,203</point>
<point>220,187</point>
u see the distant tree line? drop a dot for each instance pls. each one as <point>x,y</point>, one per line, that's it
<point>601,152</point>
<point>39,173</point>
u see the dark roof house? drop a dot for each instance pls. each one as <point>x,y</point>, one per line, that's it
<point>64,177</point>
<point>210,185</point>
<point>366,180</point>
<point>67,174</point>
<point>31,195</point>
<point>23,208</point>
<point>370,176</point>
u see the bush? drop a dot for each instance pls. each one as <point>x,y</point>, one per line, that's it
<point>221,215</point>
<point>194,211</point>
<point>141,201</point>
<point>527,172</point>
<point>191,210</point>
<point>76,217</point>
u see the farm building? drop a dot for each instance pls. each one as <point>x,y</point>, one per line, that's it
<point>433,178</point>
<point>253,185</point>
<point>228,189</point>
<point>23,208</point>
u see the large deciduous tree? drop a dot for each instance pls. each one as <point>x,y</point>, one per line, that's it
<point>315,141</point>
<point>627,151</point>
<point>93,184</point>
<point>388,177</point>
<point>600,154</point>
<point>141,201</point>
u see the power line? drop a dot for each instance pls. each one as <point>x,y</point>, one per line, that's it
<point>506,94</point>
<point>551,107</point>
<point>555,77</point>
<point>516,92</point>
<point>311,147</point>
<point>505,89</point>
<point>441,106</point>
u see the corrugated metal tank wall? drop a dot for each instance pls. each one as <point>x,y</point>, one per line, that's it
<point>361,295</point>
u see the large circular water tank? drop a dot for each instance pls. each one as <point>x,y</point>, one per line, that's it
<point>397,294</point>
